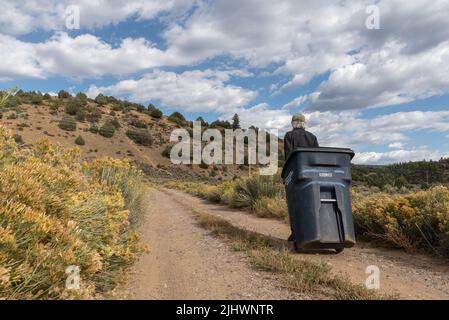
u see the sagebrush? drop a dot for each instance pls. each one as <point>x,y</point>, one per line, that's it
<point>55,212</point>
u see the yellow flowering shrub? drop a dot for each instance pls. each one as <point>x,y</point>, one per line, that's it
<point>415,220</point>
<point>53,214</point>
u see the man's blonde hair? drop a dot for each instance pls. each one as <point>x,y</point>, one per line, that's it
<point>299,124</point>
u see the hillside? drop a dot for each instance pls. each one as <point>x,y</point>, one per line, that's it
<point>33,116</point>
<point>420,173</point>
<point>107,127</point>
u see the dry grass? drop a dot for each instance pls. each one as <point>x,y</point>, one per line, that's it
<point>266,254</point>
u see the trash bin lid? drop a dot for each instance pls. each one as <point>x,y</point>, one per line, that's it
<point>324,149</point>
<point>318,150</point>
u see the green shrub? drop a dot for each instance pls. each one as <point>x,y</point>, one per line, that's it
<point>36,98</point>
<point>93,115</point>
<point>116,123</point>
<point>118,106</point>
<point>140,137</point>
<point>82,97</point>
<point>12,102</point>
<point>63,94</point>
<point>80,141</point>
<point>139,107</point>
<point>67,123</point>
<point>154,112</point>
<point>177,118</point>
<point>54,105</point>
<point>249,190</point>
<point>107,130</point>
<point>219,124</point>
<point>73,107</point>
<point>101,100</point>
<point>139,124</point>
<point>94,129</point>
<point>80,115</point>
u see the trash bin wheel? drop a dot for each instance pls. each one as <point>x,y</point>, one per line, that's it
<point>298,249</point>
<point>339,250</point>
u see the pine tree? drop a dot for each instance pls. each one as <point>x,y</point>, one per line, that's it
<point>235,122</point>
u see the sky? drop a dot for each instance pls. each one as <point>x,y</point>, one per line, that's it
<point>368,75</point>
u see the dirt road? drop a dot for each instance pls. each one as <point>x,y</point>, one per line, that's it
<point>184,262</point>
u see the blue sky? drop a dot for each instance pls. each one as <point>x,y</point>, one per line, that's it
<point>382,91</point>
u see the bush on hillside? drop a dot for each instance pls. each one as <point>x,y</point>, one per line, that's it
<point>80,116</point>
<point>219,124</point>
<point>115,123</point>
<point>36,98</point>
<point>93,114</point>
<point>139,107</point>
<point>101,100</point>
<point>154,112</point>
<point>82,97</point>
<point>118,106</point>
<point>63,94</point>
<point>93,128</point>
<point>107,130</point>
<point>177,118</point>
<point>139,123</point>
<point>80,141</point>
<point>141,137</point>
<point>67,123</point>
<point>12,102</point>
<point>54,106</point>
<point>73,107</point>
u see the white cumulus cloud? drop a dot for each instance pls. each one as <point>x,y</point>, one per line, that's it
<point>192,91</point>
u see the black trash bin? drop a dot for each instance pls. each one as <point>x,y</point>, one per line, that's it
<point>317,182</point>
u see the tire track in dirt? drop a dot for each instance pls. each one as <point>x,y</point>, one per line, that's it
<point>412,276</point>
<point>185,262</point>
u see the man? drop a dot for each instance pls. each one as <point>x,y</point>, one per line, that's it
<point>298,138</point>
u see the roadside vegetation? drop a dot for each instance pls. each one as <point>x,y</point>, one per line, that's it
<point>411,220</point>
<point>56,211</point>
